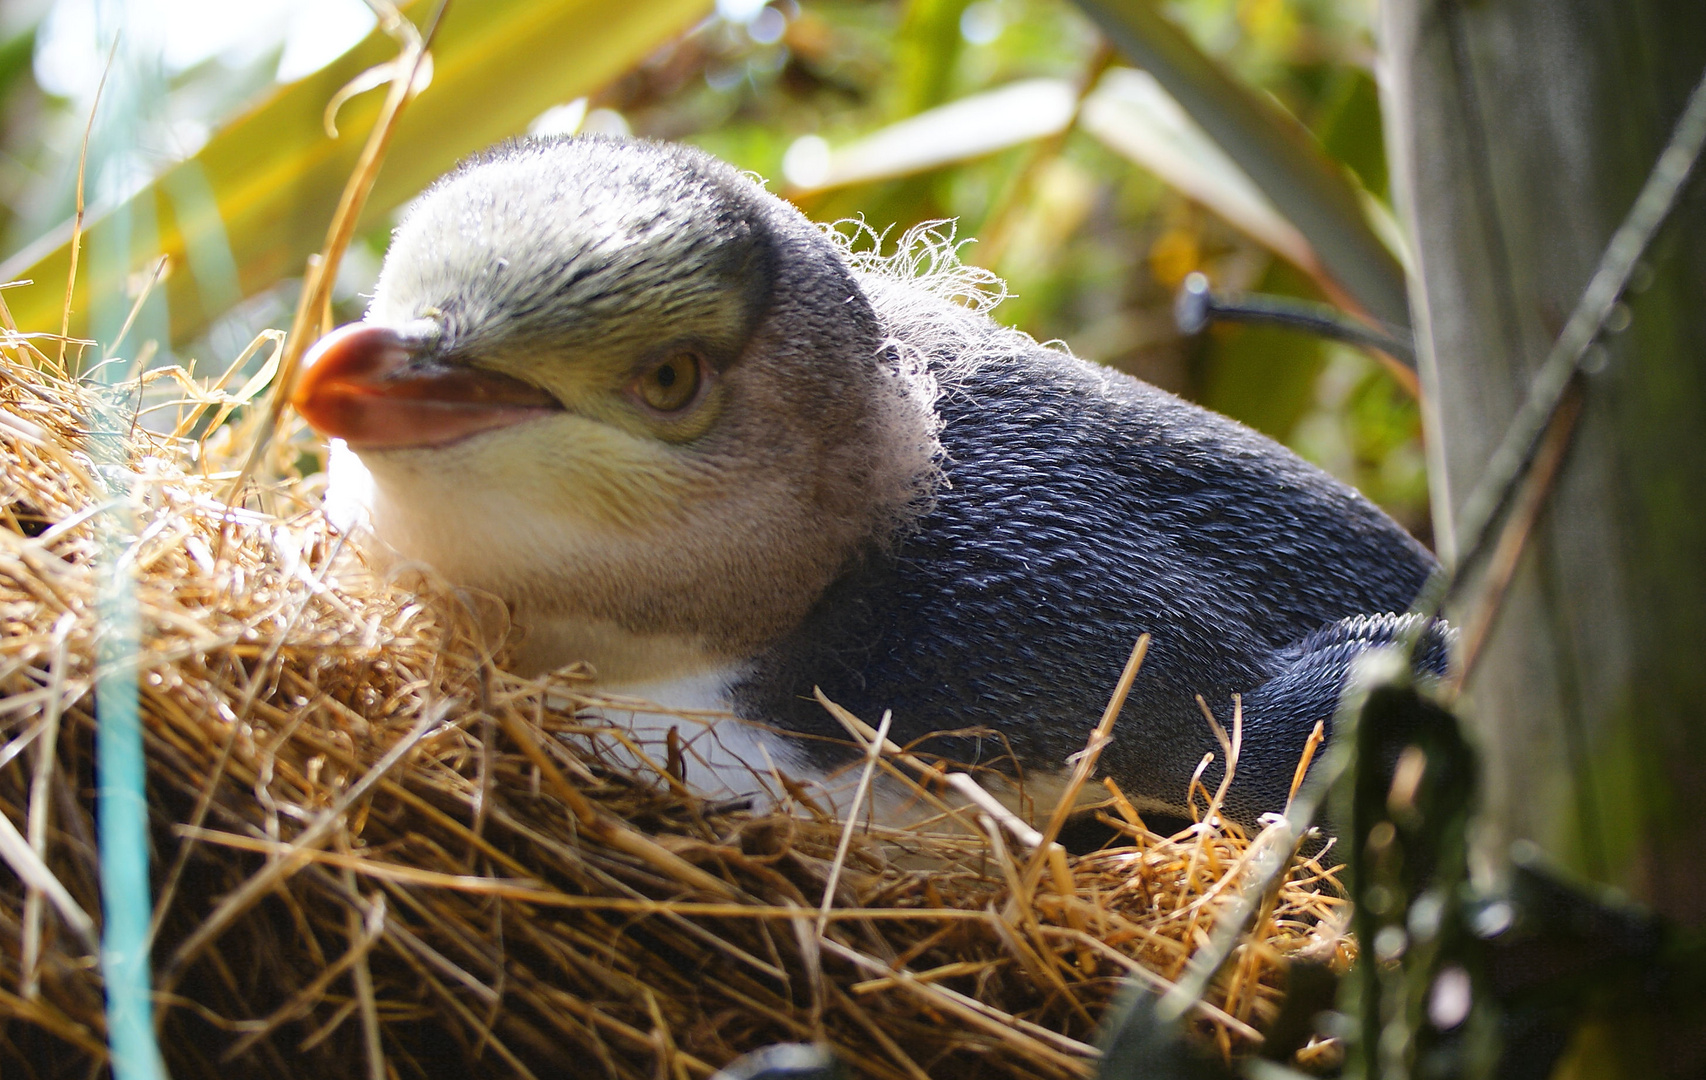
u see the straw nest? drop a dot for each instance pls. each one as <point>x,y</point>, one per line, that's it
<point>377,853</point>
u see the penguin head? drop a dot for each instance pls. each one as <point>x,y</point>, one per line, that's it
<point>624,388</point>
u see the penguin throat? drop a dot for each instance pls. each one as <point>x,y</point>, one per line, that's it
<point>620,658</point>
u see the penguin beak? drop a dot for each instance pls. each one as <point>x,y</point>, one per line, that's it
<point>375,389</point>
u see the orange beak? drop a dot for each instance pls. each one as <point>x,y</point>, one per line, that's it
<point>364,384</point>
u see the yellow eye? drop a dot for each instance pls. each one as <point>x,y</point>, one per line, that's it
<point>672,385</point>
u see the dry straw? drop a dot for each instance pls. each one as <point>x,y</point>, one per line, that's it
<point>379,854</point>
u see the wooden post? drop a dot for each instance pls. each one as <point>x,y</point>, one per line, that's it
<point>1519,134</point>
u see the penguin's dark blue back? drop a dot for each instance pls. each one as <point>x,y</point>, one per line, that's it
<point>1080,509</point>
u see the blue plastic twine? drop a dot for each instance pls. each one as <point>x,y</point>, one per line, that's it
<point>121,801</point>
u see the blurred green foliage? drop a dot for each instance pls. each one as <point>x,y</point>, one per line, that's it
<point>1092,247</point>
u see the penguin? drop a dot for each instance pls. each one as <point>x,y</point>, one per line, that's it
<point>693,440</point>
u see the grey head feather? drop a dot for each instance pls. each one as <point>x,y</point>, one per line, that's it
<point>549,241</point>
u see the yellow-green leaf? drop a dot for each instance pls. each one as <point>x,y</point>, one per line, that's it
<point>274,176</point>
<point>1128,111</point>
<point>1131,114</point>
<point>958,131</point>
<point>1277,152</point>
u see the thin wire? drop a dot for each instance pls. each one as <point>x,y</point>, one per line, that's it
<point>1197,305</point>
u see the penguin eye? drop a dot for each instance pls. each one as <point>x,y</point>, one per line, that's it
<point>673,384</point>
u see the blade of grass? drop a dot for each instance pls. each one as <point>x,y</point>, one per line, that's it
<point>406,69</point>
<point>968,128</point>
<point>1278,153</point>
